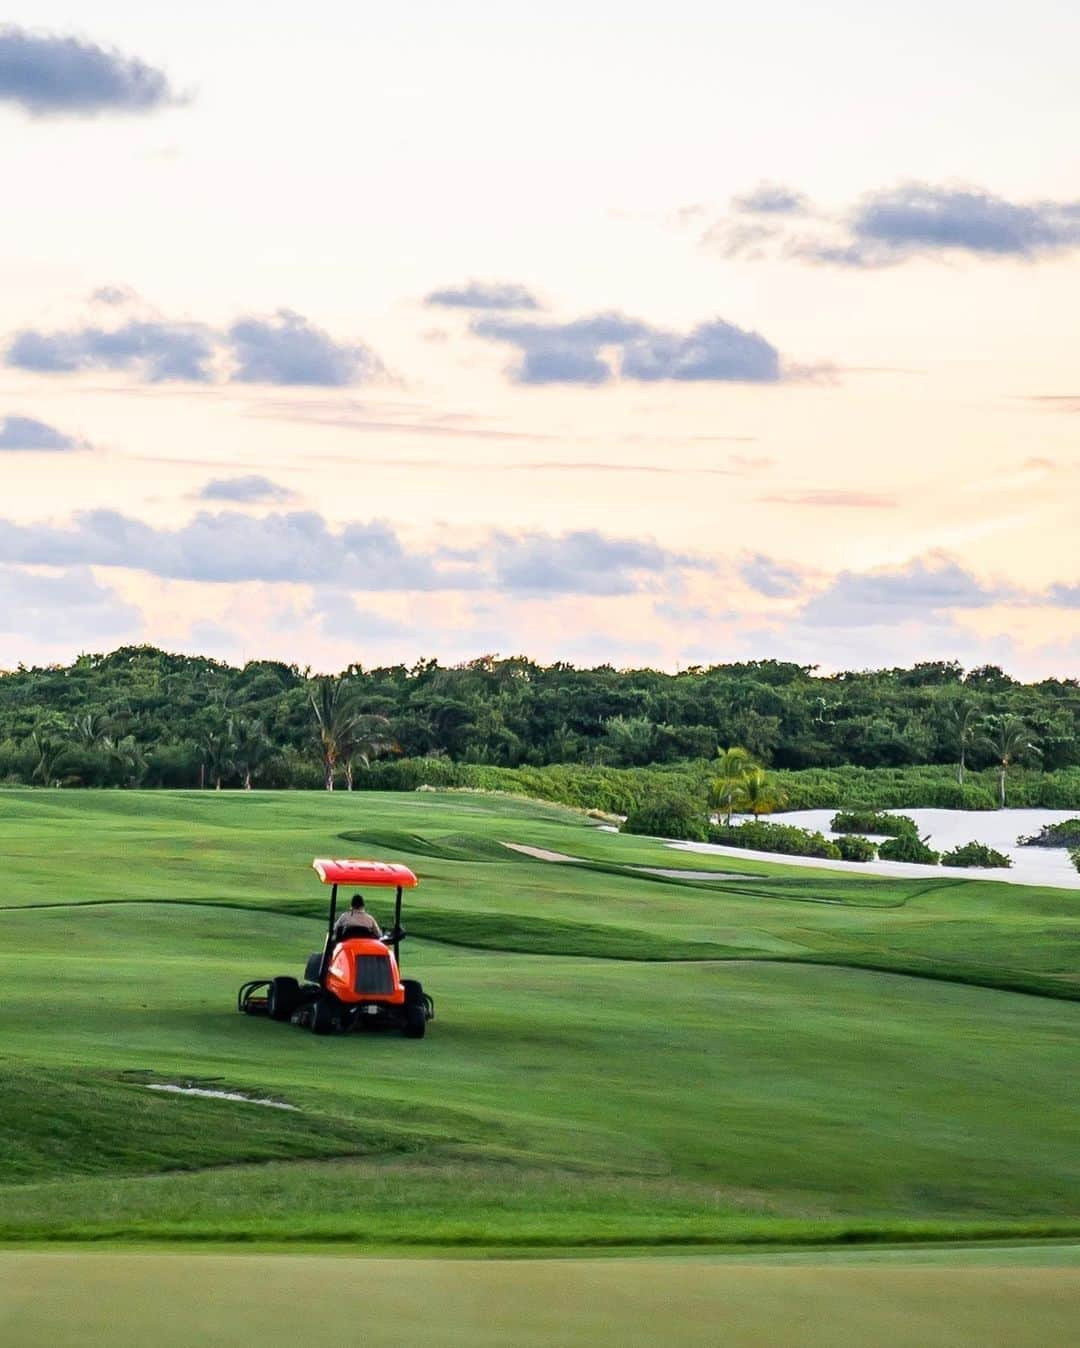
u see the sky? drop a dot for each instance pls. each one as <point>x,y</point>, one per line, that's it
<point>614,333</point>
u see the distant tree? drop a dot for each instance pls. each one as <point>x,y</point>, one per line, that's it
<point>963,720</point>
<point>759,794</point>
<point>333,703</point>
<point>1009,741</point>
<point>368,738</point>
<point>48,748</point>
<point>251,748</point>
<point>726,789</point>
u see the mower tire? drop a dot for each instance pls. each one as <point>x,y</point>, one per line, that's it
<point>324,1018</point>
<point>414,992</point>
<point>415,1021</point>
<point>282,998</point>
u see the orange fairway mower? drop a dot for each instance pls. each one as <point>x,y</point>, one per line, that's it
<point>354,982</point>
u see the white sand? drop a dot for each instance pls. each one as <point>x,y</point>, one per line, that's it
<point>944,829</point>
<point>218,1095</point>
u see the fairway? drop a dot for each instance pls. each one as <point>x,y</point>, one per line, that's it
<point>92,1299</point>
<point>746,1061</point>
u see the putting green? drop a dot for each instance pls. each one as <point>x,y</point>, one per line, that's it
<point>89,1299</point>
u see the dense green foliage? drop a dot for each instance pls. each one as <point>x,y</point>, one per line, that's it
<point>873,821</point>
<point>1064,834</point>
<point>908,847</point>
<point>782,838</point>
<point>852,847</point>
<point>976,854</point>
<point>141,716</point>
<point>668,814</point>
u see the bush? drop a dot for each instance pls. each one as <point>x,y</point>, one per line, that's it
<point>782,838</point>
<point>854,848</point>
<point>1074,856</point>
<point>874,821</point>
<point>1065,834</point>
<point>669,816</point>
<point>975,854</point>
<point>908,847</point>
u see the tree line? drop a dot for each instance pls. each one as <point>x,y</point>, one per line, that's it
<point>140,716</point>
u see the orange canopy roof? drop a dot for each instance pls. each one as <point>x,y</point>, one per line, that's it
<point>364,873</point>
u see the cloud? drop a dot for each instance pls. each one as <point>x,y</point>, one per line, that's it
<point>49,76</point>
<point>484,295</point>
<point>284,349</point>
<point>593,350</point>
<point>584,562</point>
<point>250,490</point>
<point>902,223</point>
<point>112,295</point>
<point>339,617</point>
<point>770,199</point>
<point>844,500</point>
<point>771,578</point>
<point>1065,596</point>
<point>57,609</point>
<point>287,349</point>
<point>299,547</point>
<point>921,590</point>
<point>156,351</point>
<point>28,433</point>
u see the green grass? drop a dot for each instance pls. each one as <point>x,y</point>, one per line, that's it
<point>618,1061</point>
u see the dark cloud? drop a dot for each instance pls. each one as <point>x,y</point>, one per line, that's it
<point>300,547</point>
<point>771,578</point>
<point>28,433</point>
<point>889,227</point>
<point>284,349</point>
<point>921,590</point>
<point>250,490</point>
<point>484,295</point>
<point>50,76</point>
<point>770,199</point>
<point>287,349</point>
<point>69,606</point>
<point>594,350</point>
<point>155,351</point>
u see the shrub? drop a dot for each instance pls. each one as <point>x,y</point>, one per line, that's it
<point>975,854</point>
<point>1074,855</point>
<point>854,848</point>
<point>668,816</point>
<point>908,847</point>
<point>782,838</point>
<point>874,821</point>
<point>1065,834</point>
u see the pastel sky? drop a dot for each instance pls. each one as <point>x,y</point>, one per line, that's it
<point>610,332</point>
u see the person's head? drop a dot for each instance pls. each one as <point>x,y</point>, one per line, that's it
<point>357,904</point>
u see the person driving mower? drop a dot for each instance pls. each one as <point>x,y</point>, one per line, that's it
<point>356,921</point>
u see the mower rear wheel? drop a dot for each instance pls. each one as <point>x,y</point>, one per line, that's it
<point>415,1022</point>
<point>324,1019</point>
<point>282,998</point>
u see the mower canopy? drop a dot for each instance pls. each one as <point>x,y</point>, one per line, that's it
<point>389,873</point>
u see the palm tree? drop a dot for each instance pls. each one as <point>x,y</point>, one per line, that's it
<point>48,750</point>
<point>1009,741</point>
<point>251,748</point>
<point>335,723</point>
<point>964,724</point>
<point>90,729</point>
<point>367,739</point>
<point>760,794</point>
<point>127,755</point>
<point>725,789</point>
